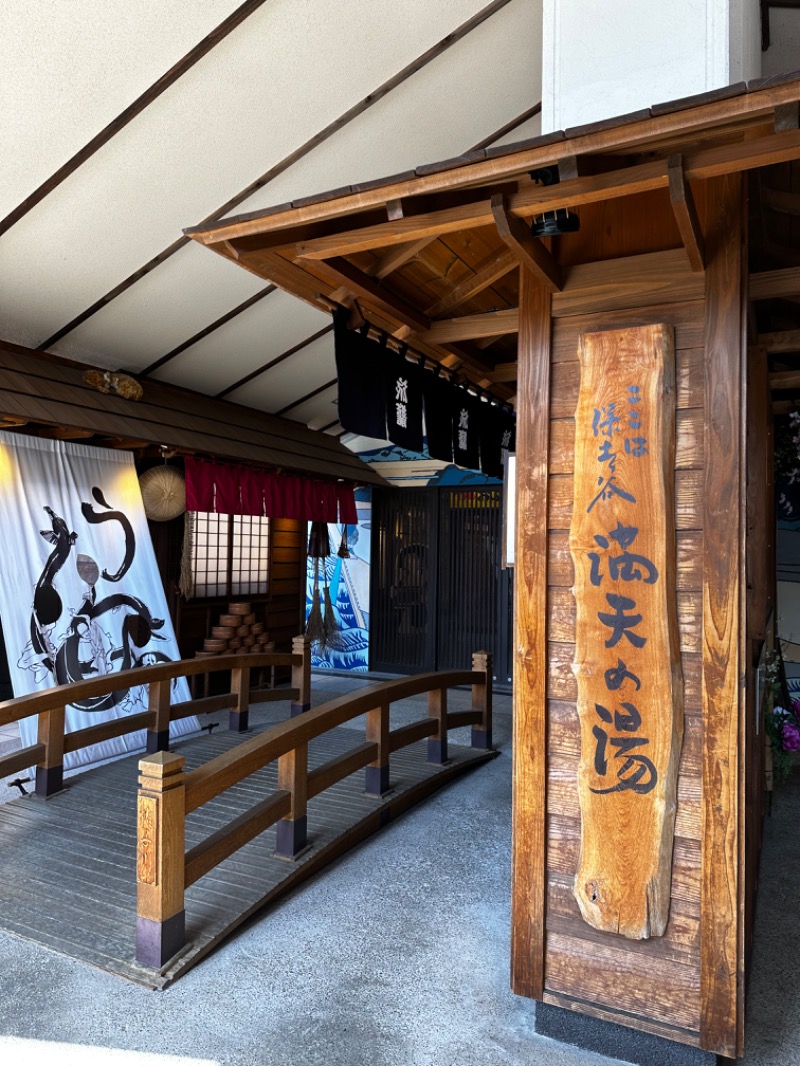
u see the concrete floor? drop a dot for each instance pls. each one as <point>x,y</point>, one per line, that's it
<point>396,956</point>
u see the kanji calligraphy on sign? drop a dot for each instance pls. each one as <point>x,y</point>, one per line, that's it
<point>627,654</point>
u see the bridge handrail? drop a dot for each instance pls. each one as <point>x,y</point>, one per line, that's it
<point>50,705</point>
<point>167,793</point>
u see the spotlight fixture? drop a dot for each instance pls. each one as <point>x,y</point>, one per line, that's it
<point>560,220</point>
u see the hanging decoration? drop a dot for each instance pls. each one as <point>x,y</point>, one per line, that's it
<point>319,627</point>
<point>225,488</point>
<point>383,394</point>
<point>80,591</point>
<point>163,493</point>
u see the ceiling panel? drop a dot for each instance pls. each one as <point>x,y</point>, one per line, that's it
<point>305,371</point>
<point>259,334</point>
<point>183,296</point>
<point>71,68</point>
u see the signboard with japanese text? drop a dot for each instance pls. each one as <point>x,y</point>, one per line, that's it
<point>627,656</point>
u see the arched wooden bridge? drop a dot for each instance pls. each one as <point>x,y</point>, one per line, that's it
<point>144,882</point>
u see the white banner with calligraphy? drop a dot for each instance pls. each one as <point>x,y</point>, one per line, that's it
<point>80,591</point>
<point>627,659</point>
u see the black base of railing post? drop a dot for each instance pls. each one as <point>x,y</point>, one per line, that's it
<point>157,942</point>
<point>299,708</point>
<point>376,780</point>
<point>437,750</point>
<point>238,721</point>
<point>291,836</point>
<point>49,780</point>
<point>482,739</point>
<point>157,740</point>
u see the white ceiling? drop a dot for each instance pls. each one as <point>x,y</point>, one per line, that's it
<point>288,71</point>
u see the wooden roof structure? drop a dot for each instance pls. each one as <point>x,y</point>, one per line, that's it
<point>43,395</point>
<point>431,255</point>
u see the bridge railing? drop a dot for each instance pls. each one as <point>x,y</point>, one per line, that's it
<point>53,743</point>
<point>167,793</point>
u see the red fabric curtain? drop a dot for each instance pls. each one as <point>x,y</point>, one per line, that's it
<point>229,489</point>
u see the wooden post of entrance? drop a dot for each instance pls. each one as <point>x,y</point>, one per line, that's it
<point>482,701</point>
<point>240,685</point>
<point>377,773</point>
<point>291,832</point>
<point>50,771</point>
<point>160,916</point>
<point>437,708</point>
<point>158,694</point>
<point>301,675</point>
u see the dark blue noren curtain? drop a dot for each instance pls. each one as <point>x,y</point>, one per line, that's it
<point>403,402</point>
<point>467,418</point>
<point>362,389</point>
<point>439,395</point>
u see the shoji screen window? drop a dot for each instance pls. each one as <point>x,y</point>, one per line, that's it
<point>230,555</point>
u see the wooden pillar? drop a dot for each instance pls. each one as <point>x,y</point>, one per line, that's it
<point>240,685</point>
<point>160,859</point>
<point>721,978</point>
<point>50,771</point>
<point>482,701</point>
<point>437,708</point>
<point>158,701</point>
<point>301,675</point>
<point>292,832</point>
<point>530,641</point>
<point>377,773</point>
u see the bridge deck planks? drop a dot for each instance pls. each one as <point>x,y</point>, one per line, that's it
<point>68,864</point>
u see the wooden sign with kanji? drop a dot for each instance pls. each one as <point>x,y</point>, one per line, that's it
<point>627,657</point>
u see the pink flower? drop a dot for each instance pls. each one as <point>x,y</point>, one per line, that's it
<point>790,737</point>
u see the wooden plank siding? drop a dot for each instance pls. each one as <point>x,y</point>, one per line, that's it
<point>661,985</point>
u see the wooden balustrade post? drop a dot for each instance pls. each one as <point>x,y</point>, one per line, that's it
<point>377,773</point>
<point>482,701</point>
<point>291,832</point>
<point>160,859</point>
<point>238,719</point>
<point>437,708</point>
<point>50,771</point>
<point>158,701</point>
<point>301,675</point>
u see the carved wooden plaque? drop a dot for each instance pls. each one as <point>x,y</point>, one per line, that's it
<point>146,867</point>
<point>627,658</point>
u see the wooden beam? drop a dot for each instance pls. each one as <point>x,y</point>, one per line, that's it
<point>529,861</point>
<point>505,372</point>
<point>491,324</point>
<point>683,207</point>
<point>340,272</point>
<point>274,362</point>
<point>721,977</point>
<point>784,379</point>
<point>530,253</point>
<point>64,433</point>
<point>770,284</point>
<point>486,274</point>
<point>774,343</point>
<point>530,112</point>
<point>787,116</point>
<point>398,256</point>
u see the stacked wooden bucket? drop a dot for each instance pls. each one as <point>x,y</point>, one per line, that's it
<point>238,632</point>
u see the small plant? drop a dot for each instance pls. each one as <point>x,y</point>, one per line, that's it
<point>782,723</point>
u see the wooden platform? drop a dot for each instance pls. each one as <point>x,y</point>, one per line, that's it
<point>68,868</point>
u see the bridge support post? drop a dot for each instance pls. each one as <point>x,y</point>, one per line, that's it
<point>482,701</point>
<point>437,708</point>
<point>238,719</point>
<point>158,697</point>
<point>160,859</point>
<point>377,773</point>
<point>291,832</point>
<point>301,675</point>
<point>50,771</point>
